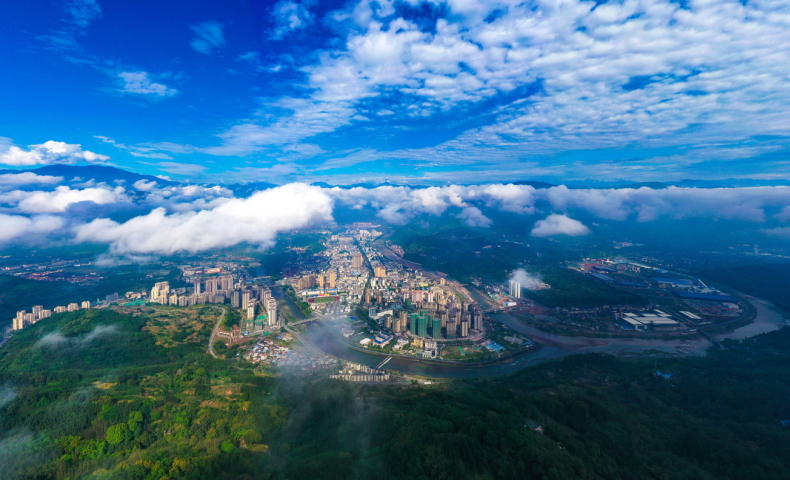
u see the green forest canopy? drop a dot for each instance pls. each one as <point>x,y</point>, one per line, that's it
<point>90,394</point>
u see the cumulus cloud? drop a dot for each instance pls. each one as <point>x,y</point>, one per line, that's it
<point>21,228</point>
<point>183,198</point>
<point>139,83</point>
<point>48,153</point>
<point>27,178</point>
<point>194,218</point>
<point>209,36</point>
<point>556,224</point>
<point>473,217</point>
<point>256,220</point>
<point>526,279</point>
<point>290,16</point>
<point>61,198</point>
<point>400,204</point>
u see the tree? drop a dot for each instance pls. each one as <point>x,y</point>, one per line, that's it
<point>117,433</point>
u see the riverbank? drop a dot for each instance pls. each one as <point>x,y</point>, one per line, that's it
<point>325,339</point>
<point>383,355</point>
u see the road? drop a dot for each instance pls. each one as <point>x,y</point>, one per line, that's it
<point>214,333</point>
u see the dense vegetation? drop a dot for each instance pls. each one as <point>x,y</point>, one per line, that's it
<point>18,293</point>
<point>21,294</point>
<point>276,260</point>
<point>767,281</point>
<point>98,394</point>
<point>462,254</point>
<point>571,289</point>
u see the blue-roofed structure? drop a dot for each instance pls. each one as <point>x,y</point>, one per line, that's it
<point>602,277</point>
<point>674,281</point>
<point>710,297</point>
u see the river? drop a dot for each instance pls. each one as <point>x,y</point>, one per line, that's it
<point>553,346</point>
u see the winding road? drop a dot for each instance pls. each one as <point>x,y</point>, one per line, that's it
<point>214,332</point>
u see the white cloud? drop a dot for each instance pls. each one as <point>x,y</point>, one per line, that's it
<point>183,198</point>
<point>139,83</point>
<point>556,224</point>
<point>27,178</point>
<point>256,220</point>
<point>25,229</point>
<point>208,37</point>
<point>290,16</point>
<point>193,218</point>
<point>473,217</point>
<point>61,198</point>
<point>48,153</point>
<point>564,76</point>
<point>526,279</point>
<point>400,204</point>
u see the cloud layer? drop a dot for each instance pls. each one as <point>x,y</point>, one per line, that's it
<point>256,220</point>
<point>47,153</point>
<point>169,219</point>
<point>549,78</point>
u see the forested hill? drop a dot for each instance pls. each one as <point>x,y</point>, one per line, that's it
<point>100,395</point>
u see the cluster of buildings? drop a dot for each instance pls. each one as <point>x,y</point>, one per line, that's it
<point>648,320</point>
<point>268,352</point>
<point>445,319</point>
<point>341,276</point>
<point>24,319</point>
<point>257,302</point>
<point>209,290</point>
<point>353,372</point>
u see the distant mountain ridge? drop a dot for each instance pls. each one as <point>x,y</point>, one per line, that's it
<point>98,173</point>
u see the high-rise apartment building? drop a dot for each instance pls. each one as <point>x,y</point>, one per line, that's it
<point>357,261</point>
<point>160,292</point>
<point>19,320</point>
<point>226,282</point>
<point>271,311</point>
<point>515,289</point>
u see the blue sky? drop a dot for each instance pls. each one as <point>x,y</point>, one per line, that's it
<point>461,91</point>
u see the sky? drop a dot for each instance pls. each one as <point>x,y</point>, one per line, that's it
<point>410,92</point>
